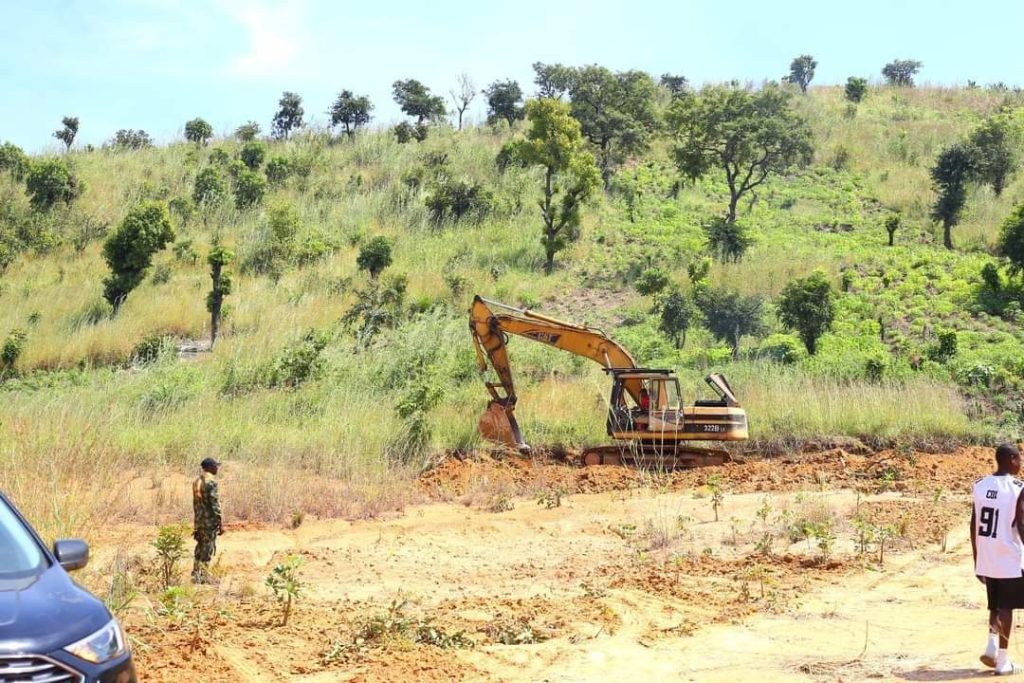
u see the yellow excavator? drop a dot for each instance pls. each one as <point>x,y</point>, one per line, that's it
<point>645,414</point>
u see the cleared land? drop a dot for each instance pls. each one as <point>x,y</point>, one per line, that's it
<point>629,578</point>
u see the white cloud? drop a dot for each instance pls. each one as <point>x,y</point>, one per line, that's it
<point>274,34</point>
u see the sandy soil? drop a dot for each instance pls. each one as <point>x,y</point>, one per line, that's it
<point>632,581</point>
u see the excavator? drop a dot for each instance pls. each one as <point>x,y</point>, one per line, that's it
<point>645,414</point>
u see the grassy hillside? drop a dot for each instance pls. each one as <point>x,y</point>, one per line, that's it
<point>79,410</point>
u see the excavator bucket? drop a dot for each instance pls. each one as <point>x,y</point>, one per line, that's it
<point>497,424</point>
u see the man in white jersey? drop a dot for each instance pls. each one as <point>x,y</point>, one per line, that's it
<point>997,526</point>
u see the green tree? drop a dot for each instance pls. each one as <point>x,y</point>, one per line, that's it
<point>209,187</point>
<point>1011,240</point>
<point>68,132</point>
<point>504,101</point>
<point>729,315</point>
<point>554,142</point>
<point>129,138</point>
<point>951,173</point>
<point>252,154</point>
<point>219,259</point>
<point>350,112</point>
<point>801,71</point>
<point>892,224</point>
<point>728,242</point>
<point>748,135</point>
<point>198,131</point>
<point>676,314</point>
<point>129,250</point>
<point>677,86</point>
<point>50,181</point>
<point>995,145</point>
<point>247,131</point>
<point>807,307</point>
<point>901,72</point>
<point>14,161</point>
<point>249,189</point>
<point>856,89</point>
<point>552,80</point>
<point>375,256</point>
<point>415,99</point>
<point>616,113</point>
<point>288,116</point>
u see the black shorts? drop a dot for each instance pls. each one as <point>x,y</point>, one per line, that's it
<point>1005,593</point>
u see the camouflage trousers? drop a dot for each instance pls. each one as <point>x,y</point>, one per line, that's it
<point>206,546</point>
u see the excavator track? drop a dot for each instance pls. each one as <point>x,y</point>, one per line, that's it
<point>655,457</point>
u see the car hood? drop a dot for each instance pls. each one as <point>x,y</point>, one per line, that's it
<point>46,613</point>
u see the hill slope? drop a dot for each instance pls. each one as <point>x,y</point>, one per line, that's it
<point>290,384</point>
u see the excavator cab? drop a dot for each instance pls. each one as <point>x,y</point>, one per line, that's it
<point>646,406</point>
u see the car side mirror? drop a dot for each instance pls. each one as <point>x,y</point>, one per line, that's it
<point>72,553</point>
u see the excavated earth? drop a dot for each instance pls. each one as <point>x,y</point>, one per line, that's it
<point>542,571</point>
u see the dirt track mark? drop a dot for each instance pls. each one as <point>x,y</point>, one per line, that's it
<point>246,670</point>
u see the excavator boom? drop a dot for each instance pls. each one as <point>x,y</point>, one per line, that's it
<point>490,323</point>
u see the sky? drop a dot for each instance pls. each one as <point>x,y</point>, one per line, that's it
<point>154,64</point>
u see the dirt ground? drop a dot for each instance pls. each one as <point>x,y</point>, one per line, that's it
<point>822,567</point>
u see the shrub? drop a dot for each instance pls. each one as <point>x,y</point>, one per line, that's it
<point>456,199</point>
<point>11,350</point>
<point>14,161</point>
<point>278,170</point>
<point>651,281</point>
<point>946,347</point>
<point>209,187</point>
<point>129,251</point>
<point>780,348</point>
<point>807,307</point>
<point>856,88</point>
<point>299,362</point>
<point>249,189</point>
<point>375,256</point>
<point>1011,240</point>
<point>727,241</point>
<point>247,131</point>
<point>50,181</point>
<point>153,348</point>
<point>404,132</point>
<point>677,314</point>
<point>252,154</point>
<point>170,550</point>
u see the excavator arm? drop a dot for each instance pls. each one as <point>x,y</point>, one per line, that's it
<point>490,323</point>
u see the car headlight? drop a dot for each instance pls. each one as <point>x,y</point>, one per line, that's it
<point>102,646</point>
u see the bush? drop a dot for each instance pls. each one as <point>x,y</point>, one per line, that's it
<point>651,281</point>
<point>247,131</point>
<point>727,241</point>
<point>129,251</point>
<point>299,362</point>
<point>13,160</point>
<point>131,139</point>
<point>250,187</point>
<point>49,181</point>
<point>456,199</point>
<point>209,187</point>
<point>677,314</point>
<point>278,170</point>
<point>153,348</point>
<point>807,307</point>
<point>404,132</point>
<point>856,88</point>
<point>781,348</point>
<point>375,256</point>
<point>11,350</point>
<point>253,153</point>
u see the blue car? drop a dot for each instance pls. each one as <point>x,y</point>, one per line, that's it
<point>52,630</point>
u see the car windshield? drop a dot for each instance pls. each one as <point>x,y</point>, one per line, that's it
<point>20,555</point>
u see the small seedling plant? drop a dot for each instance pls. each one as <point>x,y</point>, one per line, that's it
<point>284,582</point>
<point>170,549</point>
<point>717,494</point>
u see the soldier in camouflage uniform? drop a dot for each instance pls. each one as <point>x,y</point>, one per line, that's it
<point>206,511</point>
